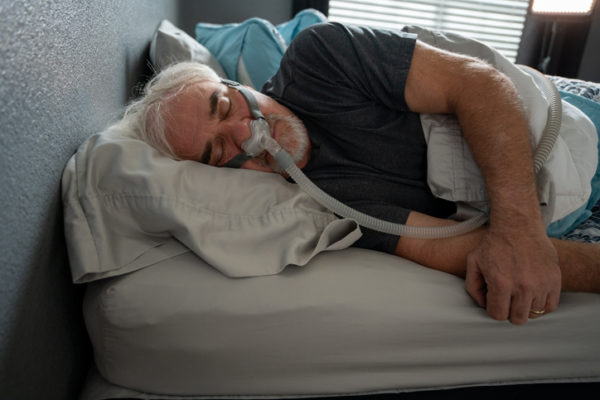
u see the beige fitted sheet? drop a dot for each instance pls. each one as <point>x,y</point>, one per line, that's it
<point>350,322</point>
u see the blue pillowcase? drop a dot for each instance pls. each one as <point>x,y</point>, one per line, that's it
<point>305,18</point>
<point>250,51</point>
<point>571,221</point>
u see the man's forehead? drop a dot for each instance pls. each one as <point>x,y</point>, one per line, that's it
<point>188,114</point>
<point>194,99</point>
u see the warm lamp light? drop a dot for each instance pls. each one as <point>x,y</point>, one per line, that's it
<point>562,7</point>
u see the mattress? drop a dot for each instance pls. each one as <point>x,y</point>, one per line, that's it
<point>351,322</point>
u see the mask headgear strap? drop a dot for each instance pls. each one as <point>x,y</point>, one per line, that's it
<point>252,103</point>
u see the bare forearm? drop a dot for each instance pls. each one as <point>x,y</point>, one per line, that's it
<point>579,262</point>
<point>491,116</point>
<point>494,125</point>
<point>579,265</point>
<point>514,267</point>
<point>447,255</point>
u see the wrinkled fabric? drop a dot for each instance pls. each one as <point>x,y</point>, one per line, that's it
<point>564,182</point>
<point>250,51</point>
<point>128,207</point>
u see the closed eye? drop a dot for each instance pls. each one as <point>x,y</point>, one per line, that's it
<point>219,151</point>
<point>216,106</point>
<point>228,108</point>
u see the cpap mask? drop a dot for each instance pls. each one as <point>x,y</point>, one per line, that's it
<point>261,140</point>
<point>261,131</point>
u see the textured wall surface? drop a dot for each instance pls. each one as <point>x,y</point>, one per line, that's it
<point>67,68</point>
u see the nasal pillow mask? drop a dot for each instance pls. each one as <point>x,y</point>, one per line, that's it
<point>259,127</point>
<point>261,140</point>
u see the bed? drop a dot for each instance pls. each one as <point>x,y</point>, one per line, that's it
<point>68,69</point>
<point>349,322</point>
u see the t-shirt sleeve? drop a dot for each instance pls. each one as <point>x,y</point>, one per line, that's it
<point>359,63</point>
<point>375,240</point>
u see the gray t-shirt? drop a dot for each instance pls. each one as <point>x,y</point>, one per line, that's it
<point>346,84</point>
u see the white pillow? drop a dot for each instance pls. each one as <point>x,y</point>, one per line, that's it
<point>171,45</point>
<point>128,207</point>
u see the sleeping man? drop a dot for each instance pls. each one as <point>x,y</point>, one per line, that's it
<point>345,104</point>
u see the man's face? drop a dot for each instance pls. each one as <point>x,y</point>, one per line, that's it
<point>208,122</point>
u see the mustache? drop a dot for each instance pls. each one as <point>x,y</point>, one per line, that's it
<point>293,138</point>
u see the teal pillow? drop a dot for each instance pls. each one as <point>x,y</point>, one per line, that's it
<point>303,19</point>
<point>250,51</point>
<point>571,221</point>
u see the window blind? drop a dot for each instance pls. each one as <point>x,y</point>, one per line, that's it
<point>498,23</point>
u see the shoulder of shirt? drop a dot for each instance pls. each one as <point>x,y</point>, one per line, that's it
<point>321,29</point>
<point>329,30</point>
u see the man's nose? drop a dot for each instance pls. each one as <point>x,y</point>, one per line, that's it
<point>240,128</point>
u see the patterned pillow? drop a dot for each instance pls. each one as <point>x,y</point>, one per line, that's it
<point>589,90</point>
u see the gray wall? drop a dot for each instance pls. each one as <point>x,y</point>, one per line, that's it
<point>66,69</point>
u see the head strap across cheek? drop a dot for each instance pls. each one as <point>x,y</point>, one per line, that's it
<point>237,161</point>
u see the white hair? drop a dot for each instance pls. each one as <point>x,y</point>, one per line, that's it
<point>146,115</point>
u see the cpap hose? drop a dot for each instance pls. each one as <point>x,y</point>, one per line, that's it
<point>553,121</point>
<point>285,161</point>
<point>263,140</point>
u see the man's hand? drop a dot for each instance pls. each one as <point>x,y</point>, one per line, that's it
<point>513,269</point>
<point>512,274</point>
<point>510,271</point>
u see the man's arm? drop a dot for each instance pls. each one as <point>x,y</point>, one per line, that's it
<point>579,262</point>
<point>514,267</point>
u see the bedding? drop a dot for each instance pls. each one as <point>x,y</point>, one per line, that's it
<point>171,45</point>
<point>250,51</point>
<point>352,322</point>
<point>347,323</point>
<point>564,180</point>
<point>127,207</point>
<point>583,225</point>
<point>587,227</point>
<point>390,309</point>
<point>588,90</point>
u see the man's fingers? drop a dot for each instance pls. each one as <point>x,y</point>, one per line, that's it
<point>510,279</point>
<point>498,300</point>
<point>520,307</point>
<point>475,285</point>
<point>538,307</point>
<point>552,300</point>
<point>545,303</point>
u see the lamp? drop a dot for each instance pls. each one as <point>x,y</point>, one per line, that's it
<point>558,12</point>
<point>562,7</point>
